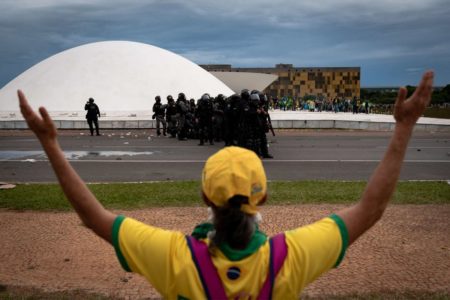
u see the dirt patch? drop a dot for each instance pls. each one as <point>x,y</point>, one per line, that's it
<point>408,250</point>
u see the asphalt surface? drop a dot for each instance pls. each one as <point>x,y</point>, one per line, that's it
<point>137,155</point>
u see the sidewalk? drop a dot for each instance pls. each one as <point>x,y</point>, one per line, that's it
<point>341,120</point>
<point>280,119</point>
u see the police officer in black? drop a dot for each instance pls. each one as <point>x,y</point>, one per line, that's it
<point>191,127</point>
<point>253,125</point>
<point>182,110</point>
<point>263,115</point>
<point>171,116</point>
<point>92,115</point>
<point>218,118</point>
<point>159,112</point>
<point>245,121</point>
<point>204,115</point>
<point>231,120</point>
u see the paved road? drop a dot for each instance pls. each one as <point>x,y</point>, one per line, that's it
<point>299,155</point>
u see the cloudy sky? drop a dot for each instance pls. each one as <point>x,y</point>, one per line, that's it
<point>393,41</point>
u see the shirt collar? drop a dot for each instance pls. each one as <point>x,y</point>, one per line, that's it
<point>256,241</point>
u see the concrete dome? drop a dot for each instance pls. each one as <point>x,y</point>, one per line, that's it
<point>237,81</point>
<point>119,75</point>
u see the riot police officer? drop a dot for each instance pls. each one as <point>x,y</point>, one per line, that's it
<point>204,116</point>
<point>263,115</point>
<point>218,117</point>
<point>244,121</point>
<point>191,125</point>
<point>182,110</point>
<point>92,115</point>
<point>159,112</point>
<point>231,120</point>
<point>171,116</point>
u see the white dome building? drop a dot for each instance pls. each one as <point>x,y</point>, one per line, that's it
<point>123,78</point>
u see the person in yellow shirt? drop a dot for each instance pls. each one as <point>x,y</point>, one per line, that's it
<point>233,185</point>
<point>228,257</point>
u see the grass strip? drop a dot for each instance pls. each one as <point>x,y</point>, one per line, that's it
<point>49,197</point>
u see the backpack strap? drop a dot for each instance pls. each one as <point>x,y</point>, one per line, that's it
<point>278,252</point>
<point>211,282</point>
<point>209,277</point>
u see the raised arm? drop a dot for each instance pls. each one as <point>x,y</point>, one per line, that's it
<point>90,211</point>
<point>363,215</point>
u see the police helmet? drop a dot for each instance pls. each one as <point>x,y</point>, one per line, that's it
<point>245,94</point>
<point>263,97</point>
<point>254,97</point>
<point>182,96</point>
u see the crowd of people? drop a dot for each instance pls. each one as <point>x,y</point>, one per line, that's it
<point>242,120</point>
<point>336,104</point>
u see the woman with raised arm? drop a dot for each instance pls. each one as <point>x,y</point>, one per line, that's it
<point>229,257</point>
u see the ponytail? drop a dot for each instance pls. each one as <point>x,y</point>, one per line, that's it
<point>232,226</point>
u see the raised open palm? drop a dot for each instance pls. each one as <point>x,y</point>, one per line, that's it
<point>42,125</point>
<point>408,111</point>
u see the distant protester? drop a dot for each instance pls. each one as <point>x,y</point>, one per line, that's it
<point>228,256</point>
<point>92,115</point>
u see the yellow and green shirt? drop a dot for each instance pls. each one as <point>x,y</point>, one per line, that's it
<point>164,259</point>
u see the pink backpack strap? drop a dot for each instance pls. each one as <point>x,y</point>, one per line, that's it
<point>278,252</point>
<point>211,282</point>
<point>209,277</point>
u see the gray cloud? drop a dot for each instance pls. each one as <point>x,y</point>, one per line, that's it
<point>386,38</point>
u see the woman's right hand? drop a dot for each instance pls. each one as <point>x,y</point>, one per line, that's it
<point>408,111</point>
<point>42,126</point>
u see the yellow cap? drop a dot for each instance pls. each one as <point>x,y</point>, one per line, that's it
<point>234,171</point>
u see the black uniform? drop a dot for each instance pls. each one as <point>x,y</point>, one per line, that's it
<point>245,121</point>
<point>192,130</point>
<point>218,118</point>
<point>263,115</point>
<point>92,115</point>
<point>254,125</point>
<point>182,110</point>
<point>159,112</point>
<point>171,116</point>
<point>204,114</point>
<point>231,120</point>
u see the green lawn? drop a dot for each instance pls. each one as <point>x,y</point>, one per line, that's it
<point>187,193</point>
